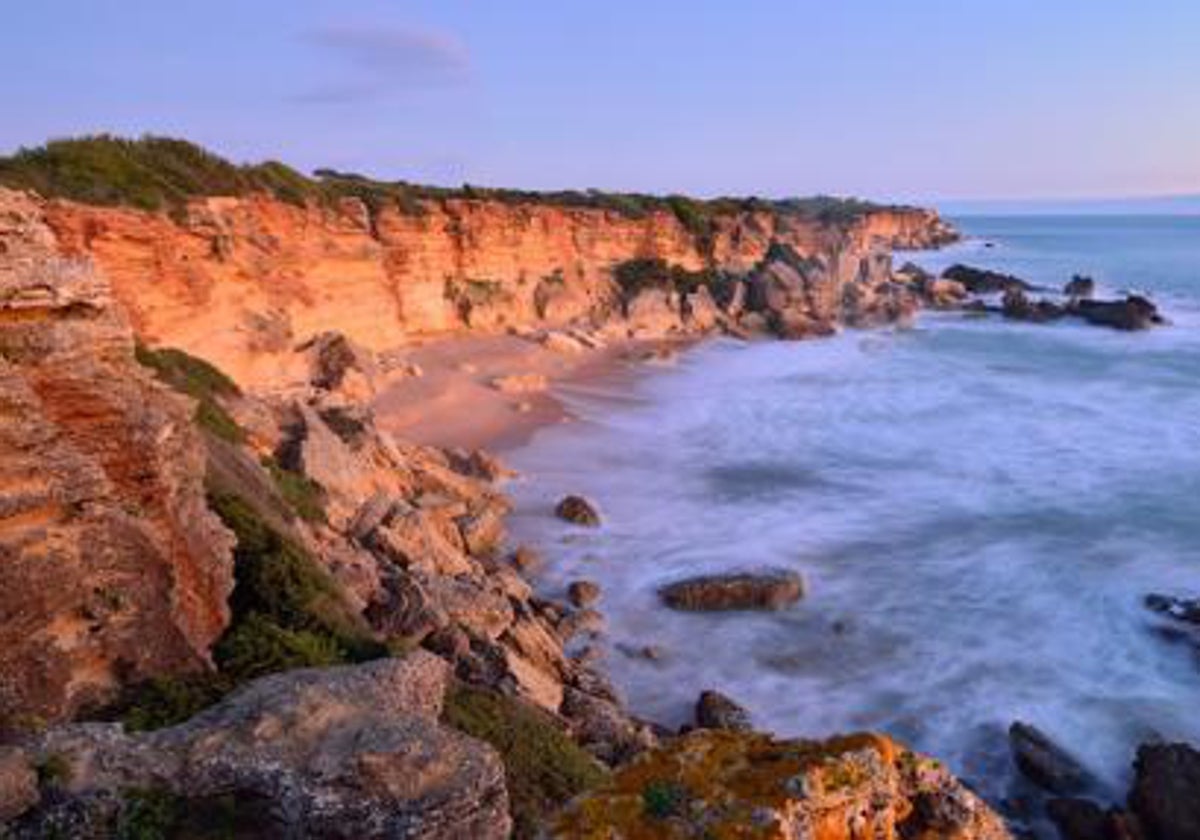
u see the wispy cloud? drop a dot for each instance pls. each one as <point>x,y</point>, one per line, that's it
<point>379,59</point>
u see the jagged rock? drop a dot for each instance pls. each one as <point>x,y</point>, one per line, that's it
<point>405,611</point>
<point>714,710</point>
<point>1180,609</point>
<point>1166,791</point>
<point>1045,763</point>
<point>604,728</point>
<point>700,310</point>
<point>1079,819</point>
<point>1017,306</point>
<point>1080,287</point>
<point>483,529</point>
<point>1133,313</point>
<point>18,784</point>
<point>583,593</point>
<point>979,281</point>
<point>654,312</point>
<point>339,364</point>
<point>766,590</point>
<point>713,783</point>
<point>579,511</point>
<point>348,752</point>
<point>112,568</point>
<point>587,622</point>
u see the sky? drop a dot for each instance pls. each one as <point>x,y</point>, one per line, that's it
<point>924,100</point>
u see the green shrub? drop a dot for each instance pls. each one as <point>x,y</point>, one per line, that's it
<point>148,815</point>
<point>160,173</point>
<point>634,276</point>
<point>543,767</point>
<point>662,800</point>
<point>199,380</point>
<point>166,701</point>
<point>54,771</point>
<point>304,496</point>
<point>257,646</point>
<point>278,581</point>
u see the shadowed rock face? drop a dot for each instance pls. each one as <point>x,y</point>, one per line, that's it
<point>350,752</point>
<point>724,784</point>
<point>112,569</point>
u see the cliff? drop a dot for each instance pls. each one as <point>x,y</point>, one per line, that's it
<point>241,281</point>
<point>111,567</point>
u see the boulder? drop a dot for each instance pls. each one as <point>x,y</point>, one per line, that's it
<point>347,752</point>
<point>766,590</point>
<point>579,511</point>
<point>1132,314</point>
<point>1017,306</point>
<point>738,784</point>
<point>715,710</point>
<point>1045,763</point>
<point>583,593</point>
<point>18,784</point>
<point>1166,791</point>
<point>979,281</point>
<point>1080,287</point>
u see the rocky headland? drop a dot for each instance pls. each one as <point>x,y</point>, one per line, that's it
<point>234,604</point>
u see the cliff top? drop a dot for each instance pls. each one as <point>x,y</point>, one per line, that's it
<point>161,173</point>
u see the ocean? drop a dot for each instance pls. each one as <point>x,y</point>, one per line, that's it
<point>978,506</point>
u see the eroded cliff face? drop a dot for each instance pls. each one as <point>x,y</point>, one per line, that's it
<point>241,282</point>
<point>111,567</point>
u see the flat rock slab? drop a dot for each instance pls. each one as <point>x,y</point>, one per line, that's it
<point>772,589</point>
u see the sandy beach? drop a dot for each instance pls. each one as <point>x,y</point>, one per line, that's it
<point>495,391</point>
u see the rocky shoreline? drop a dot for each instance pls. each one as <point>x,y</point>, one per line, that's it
<point>256,609</point>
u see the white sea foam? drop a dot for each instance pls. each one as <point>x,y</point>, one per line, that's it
<point>979,508</point>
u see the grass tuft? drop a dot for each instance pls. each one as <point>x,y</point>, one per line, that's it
<point>543,767</point>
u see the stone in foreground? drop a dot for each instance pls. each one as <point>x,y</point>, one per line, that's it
<point>1166,792</point>
<point>347,752</point>
<point>768,590</point>
<point>724,784</point>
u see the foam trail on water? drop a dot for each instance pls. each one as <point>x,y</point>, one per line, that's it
<point>979,508</point>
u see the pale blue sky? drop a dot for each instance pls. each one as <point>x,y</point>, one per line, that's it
<point>916,100</point>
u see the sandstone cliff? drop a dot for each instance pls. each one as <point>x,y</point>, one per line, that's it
<point>111,567</point>
<point>242,281</point>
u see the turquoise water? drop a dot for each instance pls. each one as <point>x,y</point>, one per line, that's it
<point>978,506</point>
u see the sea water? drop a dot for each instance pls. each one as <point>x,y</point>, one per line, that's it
<point>978,507</point>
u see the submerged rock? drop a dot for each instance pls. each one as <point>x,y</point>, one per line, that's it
<point>1180,609</point>
<point>578,510</point>
<point>726,784</point>
<point>1133,313</point>
<point>1166,791</point>
<point>1017,306</point>
<point>583,593</point>
<point>1045,763</point>
<point>767,590</point>
<point>714,710</point>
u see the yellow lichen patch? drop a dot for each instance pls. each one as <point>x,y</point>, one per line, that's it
<point>742,786</point>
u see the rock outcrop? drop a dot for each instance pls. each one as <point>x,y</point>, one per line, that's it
<point>350,752</point>
<point>724,784</point>
<point>112,569</point>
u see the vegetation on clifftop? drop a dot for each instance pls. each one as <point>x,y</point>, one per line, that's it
<point>161,173</point>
